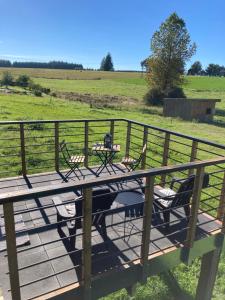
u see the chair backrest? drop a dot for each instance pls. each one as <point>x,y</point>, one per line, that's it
<point>139,160</point>
<point>185,190</point>
<point>65,152</point>
<point>102,199</point>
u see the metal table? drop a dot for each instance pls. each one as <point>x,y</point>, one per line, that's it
<point>106,156</point>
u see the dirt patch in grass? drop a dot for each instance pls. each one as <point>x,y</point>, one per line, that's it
<point>108,101</point>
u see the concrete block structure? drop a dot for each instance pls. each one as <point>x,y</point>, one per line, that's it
<point>202,110</point>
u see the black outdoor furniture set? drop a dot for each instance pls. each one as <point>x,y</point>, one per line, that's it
<point>166,199</point>
<point>102,200</point>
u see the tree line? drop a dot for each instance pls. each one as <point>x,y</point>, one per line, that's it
<point>211,70</point>
<point>43,65</point>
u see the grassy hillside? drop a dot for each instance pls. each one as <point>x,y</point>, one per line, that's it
<point>70,74</point>
<point>22,107</point>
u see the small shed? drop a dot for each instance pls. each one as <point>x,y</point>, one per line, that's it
<point>188,109</point>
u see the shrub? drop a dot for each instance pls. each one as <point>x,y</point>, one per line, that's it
<point>37,93</point>
<point>176,92</point>
<point>45,90</point>
<point>36,89</point>
<point>7,79</point>
<point>154,97</point>
<point>53,94</point>
<point>23,81</point>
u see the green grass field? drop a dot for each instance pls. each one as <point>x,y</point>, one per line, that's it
<point>23,107</point>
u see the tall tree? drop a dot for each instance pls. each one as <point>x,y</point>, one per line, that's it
<point>106,63</point>
<point>171,47</point>
<point>102,66</point>
<point>195,69</point>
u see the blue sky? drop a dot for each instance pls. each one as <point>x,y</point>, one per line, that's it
<point>83,31</point>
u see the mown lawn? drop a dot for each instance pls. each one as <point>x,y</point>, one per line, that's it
<point>17,107</point>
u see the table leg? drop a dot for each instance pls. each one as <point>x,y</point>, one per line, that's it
<point>101,168</point>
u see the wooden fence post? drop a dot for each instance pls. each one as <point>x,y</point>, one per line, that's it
<point>145,140</point>
<point>147,220</point>
<point>87,222</point>
<point>128,138</point>
<point>194,149</point>
<point>165,156</point>
<point>209,267</point>
<point>11,250</point>
<point>195,206</point>
<point>221,208</point>
<point>112,130</point>
<point>56,146</point>
<point>86,150</point>
<point>22,150</point>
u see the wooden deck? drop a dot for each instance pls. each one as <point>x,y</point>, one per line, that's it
<point>61,268</point>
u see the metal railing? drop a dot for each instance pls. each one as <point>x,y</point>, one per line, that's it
<point>168,154</point>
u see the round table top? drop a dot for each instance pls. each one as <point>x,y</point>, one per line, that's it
<point>129,197</point>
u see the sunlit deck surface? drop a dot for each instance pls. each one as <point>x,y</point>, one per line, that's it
<point>121,252</point>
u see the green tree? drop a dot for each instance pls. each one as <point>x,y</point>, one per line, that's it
<point>23,81</point>
<point>214,70</point>
<point>102,66</point>
<point>171,48</point>
<point>195,69</point>
<point>106,63</point>
<point>144,64</point>
<point>7,79</point>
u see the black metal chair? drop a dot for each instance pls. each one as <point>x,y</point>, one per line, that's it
<point>102,199</point>
<point>72,161</point>
<point>130,163</point>
<point>168,200</point>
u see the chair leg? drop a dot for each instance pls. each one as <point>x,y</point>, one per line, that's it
<point>59,219</point>
<point>187,211</point>
<point>81,172</point>
<point>103,229</point>
<point>72,234</point>
<point>166,216</point>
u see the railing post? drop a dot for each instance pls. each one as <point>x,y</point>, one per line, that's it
<point>194,207</point>
<point>165,156</point>
<point>56,146</point>
<point>112,130</point>
<point>11,250</point>
<point>87,223</point>
<point>221,208</point>
<point>209,268</point>
<point>194,149</point>
<point>86,143</point>
<point>147,220</point>
<point>22,150</point>
<point>145,140</point>
<point>128,138</point>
